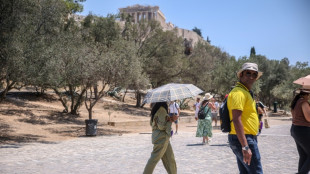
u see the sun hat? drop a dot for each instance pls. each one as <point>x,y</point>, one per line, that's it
<point>305,89</point>
<point>207,96</point>
<point>249,66</point>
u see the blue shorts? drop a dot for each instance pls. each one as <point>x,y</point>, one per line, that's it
<point>171,114</point>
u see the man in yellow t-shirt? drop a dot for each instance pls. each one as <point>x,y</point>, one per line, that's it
<point>244,126</point>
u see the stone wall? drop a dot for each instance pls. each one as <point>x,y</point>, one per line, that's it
<point>189,35</point>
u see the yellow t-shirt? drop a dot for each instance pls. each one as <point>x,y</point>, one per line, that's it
<point>240,99</point>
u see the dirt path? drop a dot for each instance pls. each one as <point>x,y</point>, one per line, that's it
<point>34,119</point>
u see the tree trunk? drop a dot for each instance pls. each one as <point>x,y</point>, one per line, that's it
<point>3,95</point>
<point>62,100</point>
<point>90,112</point>
<point>123,99</point>
<point>142,105</point>
<point>9,86</point>
<point>71,92</point>
<point>74,111</point>
<point>95,91</point>
<point>138,97</point>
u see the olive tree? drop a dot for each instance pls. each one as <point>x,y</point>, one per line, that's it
<point>27,32</point>
<point>15,20</point>
<point>115,61</point>
<point>139,34</point>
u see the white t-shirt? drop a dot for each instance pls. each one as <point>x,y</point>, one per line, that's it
<point>216,104</point>
<point>173,108</point>
<point>197,106</point>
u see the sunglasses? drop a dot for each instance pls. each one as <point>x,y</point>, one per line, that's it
<point>249,74</point>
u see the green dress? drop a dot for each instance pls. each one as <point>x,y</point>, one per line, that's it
<point>204,126</point>
<point>161,133</point>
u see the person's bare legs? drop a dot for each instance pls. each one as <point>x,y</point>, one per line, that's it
<point>204,139</point>
<point>214,118</point>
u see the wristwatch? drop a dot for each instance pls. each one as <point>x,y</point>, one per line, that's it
<point>246,148</point>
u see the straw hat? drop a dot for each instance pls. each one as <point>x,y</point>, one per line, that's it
<point>305,89</point>
<point>207,96</point>
<point>249,66</point>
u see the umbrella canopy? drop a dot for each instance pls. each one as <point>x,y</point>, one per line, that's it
<point>171,92</point>
<point>304,81</point>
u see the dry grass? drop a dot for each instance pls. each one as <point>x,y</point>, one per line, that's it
<point>28,117</point>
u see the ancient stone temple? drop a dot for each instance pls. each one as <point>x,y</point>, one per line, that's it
<point>138,13</point>
<point>141,13</point>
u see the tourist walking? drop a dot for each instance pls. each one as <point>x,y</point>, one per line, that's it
<point>261,109</point>
<point>214,112</point>
<point>161,133</point>
<point>196,107</point>
<point>174,110</point>
<point>300,129</point>
<point>204,125</point>
<point>244,126</point>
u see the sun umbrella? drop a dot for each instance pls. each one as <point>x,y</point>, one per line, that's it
<point>304,81</point>
<point>171,92</point>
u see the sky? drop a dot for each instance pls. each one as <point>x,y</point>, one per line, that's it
<point>276,28</point>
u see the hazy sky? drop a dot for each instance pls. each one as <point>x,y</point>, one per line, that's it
<point>276,28</point>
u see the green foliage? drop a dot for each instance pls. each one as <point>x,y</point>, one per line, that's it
<point>25,27</point>
<point>184,103</point>
<point>198,31</point>
<point>210,69</point>
<point>252,52</point>
<point>208,40</point>
<point>43,46</point>
<point>105,30</point>
<point>162,57</point>
<point>283,92</point>
<point>74,6</point>
<point>225,74</point>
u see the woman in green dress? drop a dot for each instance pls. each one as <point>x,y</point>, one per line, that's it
<point>204,127</point>
<point>161,133</point>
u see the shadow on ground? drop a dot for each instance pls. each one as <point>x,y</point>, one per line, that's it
<point>15,141</point>
<point>80,131</point>
<point>63,118</point>
<point>130,109</point>
<point>197,144</point>
<point>32,96</point>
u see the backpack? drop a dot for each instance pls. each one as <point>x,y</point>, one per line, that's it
<point>201,113</point>
<point>224,117</point>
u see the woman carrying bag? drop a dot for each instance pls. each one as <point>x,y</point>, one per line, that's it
<point>204,126</point>
<point>300,129</point>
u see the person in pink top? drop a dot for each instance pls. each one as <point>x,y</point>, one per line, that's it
<point>300,129</point>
